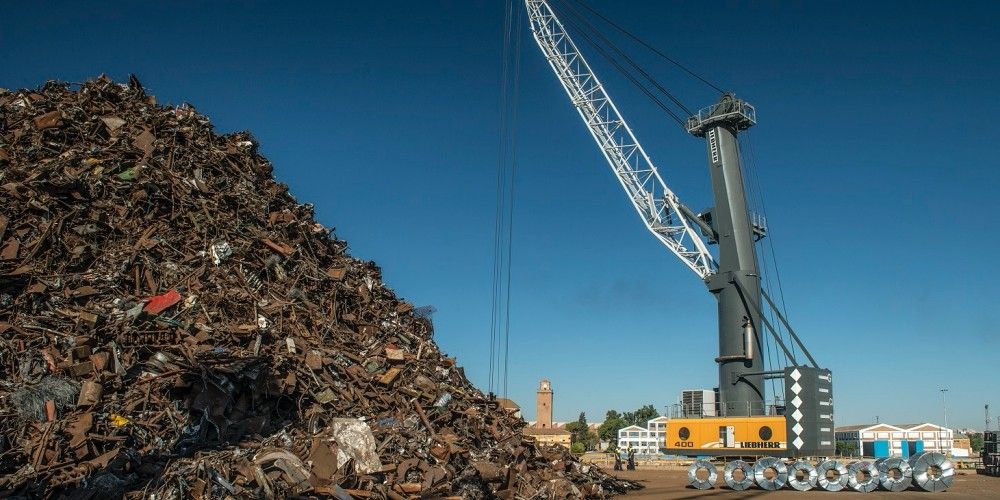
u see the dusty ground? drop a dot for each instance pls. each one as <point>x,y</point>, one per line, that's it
<point>671,482</point>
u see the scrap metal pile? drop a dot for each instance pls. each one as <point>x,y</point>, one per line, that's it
<point>174,324</point>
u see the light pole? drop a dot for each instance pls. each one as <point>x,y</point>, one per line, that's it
<point>944,405</point>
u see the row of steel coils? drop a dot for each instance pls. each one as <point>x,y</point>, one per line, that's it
<point>930,471</point>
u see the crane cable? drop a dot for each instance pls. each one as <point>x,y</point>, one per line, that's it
<point>501,107</point>
<point>768,260</point>
<point>510,204</point>
<point>621,69</point>
<point>770,240</point>
<point>650,47</point>
<point>751,186</point>
<point>753,203</point>
<point>508,98</point>
<point>627,59</point>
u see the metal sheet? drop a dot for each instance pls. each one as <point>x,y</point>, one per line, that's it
<point>702,484</point>
<point>738,484</point>
<point>780,473</point>
<point>888,468</point>
<point>870,476</point>
<point>810,477</point>
<point>832,484</point>
<point>932,471</point>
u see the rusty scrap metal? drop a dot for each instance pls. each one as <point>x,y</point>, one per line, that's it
<point>173,324</point>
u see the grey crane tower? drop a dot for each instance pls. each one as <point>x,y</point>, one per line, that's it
<point>736,284</point>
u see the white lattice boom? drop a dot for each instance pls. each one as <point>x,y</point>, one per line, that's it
<point>655,202</point>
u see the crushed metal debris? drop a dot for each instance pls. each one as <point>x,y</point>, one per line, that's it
<point>173,324</point>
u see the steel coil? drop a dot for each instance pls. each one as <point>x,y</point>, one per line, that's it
<point>878,463</point>
<point>780,473</point>
<point>738,484</point>
<point>809,476</point>
<point>869,476</point>
<point>702,484</point>
<point>835,469</point>
<point>895,474</point>
<point>932,471</point>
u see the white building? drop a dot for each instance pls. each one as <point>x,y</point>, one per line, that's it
<point>657,428</point>
<point>896,440</point>
<point>646,441</point>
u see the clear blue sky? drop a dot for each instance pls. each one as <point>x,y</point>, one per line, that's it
<point>876,144</point>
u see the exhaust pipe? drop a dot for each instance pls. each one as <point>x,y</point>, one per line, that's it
<point>747,339</point>
<point>747,345</point>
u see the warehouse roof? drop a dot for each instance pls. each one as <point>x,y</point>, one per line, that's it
<point>864,427</point>
<point>897,427</point>
<point>507,404</point>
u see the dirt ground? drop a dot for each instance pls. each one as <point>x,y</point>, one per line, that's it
<point>671,482</point>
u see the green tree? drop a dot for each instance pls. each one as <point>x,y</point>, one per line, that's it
<point>577,448</point>
<point>640,416</point>
<point>592,441</point>
<point>578,430</point>
<point>608,431</point>
<point>847,448</point>
<point>976,442</point>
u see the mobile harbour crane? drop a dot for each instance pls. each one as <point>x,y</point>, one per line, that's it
<point>740,424</point>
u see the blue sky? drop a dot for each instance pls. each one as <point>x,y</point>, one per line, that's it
<point>875,145</point>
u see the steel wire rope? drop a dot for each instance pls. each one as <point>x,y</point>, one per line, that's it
<point>631,62</point>
<point>767,283</point>
<point>753,202</point>
<point>610,44</point>
<point>649,46</point>
<point>500,186</point>
<point>631,78</point>
<point>770,242</point>
<point>513,177</point>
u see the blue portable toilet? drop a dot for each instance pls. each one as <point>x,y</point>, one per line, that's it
<point>919,447</point>
<point>904,447</point>
<point>880,449</point>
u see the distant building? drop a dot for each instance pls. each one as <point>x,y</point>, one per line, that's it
<point>962,446</point>
<point>543,404</point>
<point>657,428</point>
<point>898,440</point>
<point>543,429</point>
<point>645,441</point>
<point>510,406</point>
<point>561,437</point>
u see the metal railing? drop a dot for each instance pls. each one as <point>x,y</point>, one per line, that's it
<point>745,113</point>
<point>741,408</point>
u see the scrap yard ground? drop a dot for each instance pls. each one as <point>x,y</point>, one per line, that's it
<point>671,482</point>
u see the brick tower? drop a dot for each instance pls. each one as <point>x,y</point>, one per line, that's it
<point>543,405</point>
